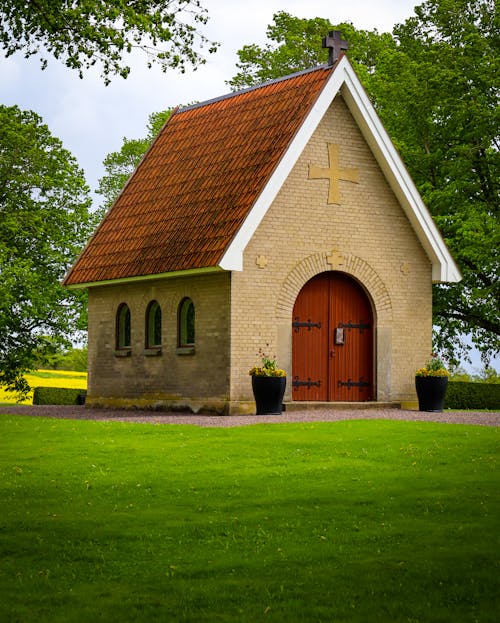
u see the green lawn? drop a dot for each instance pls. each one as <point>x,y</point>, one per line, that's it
<point>372,521</point>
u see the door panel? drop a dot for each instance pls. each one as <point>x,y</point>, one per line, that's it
<point>332,341</point>
<point>310,342</point>
<point>351,372</point>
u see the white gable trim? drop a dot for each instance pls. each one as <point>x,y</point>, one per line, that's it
<point>345,80</point>
<point>233,257</point>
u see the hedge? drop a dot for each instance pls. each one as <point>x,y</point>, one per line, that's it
<point>58,396</point>
<point>472,396</point>
<point>458,396</point>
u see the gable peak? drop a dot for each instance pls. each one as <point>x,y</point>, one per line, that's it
<point>335,44</point>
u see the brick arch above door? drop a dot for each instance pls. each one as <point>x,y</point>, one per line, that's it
<point>342,262</point>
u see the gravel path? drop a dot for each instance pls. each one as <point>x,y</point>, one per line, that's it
<point>480,418</point>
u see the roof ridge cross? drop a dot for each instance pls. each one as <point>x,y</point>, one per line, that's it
<point>335,44</point>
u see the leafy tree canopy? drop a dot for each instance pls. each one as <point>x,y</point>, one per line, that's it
<point>296,45</point>
<point>435,85</point>
<point>438,97</point>
<point>89,32</point>
<point>44,221</point>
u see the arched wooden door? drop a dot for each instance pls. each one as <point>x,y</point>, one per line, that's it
<point>332,341</point>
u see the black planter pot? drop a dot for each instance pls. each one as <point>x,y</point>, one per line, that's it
<point>268,392</point>
<point>431,391</point>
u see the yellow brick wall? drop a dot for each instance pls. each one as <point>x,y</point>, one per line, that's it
<point>238,313</point>
<point>170,379</point>
<point>376,243</point>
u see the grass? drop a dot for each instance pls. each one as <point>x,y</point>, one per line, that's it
<point>335,522</point>
<point>46,378</point>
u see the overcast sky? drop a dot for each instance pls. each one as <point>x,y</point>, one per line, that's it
<point>92,119</point>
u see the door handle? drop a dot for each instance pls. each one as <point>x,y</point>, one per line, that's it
<point>339,337</point>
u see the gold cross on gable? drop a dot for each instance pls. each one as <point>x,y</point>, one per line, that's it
<point>335,259</point>
<point>334,173</point>
<point>261,261</point>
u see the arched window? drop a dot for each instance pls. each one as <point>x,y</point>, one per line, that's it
<point>123,327</point>
<point>153,325</point>
<point>186,323</point>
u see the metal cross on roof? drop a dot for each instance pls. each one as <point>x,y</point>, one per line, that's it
<point>335,45</point>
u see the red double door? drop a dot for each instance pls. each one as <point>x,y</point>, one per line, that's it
<point>332,341</point>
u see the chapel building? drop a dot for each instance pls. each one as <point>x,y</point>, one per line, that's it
<point>280,218</point>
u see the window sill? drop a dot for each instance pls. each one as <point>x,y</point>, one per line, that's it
<point>154,351</point>
<point>185,350</point>
<point>123,352</point>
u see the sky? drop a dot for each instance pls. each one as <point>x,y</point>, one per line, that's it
<point>92,119</point>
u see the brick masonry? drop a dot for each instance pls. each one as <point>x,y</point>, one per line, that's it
<point>174,377</point>
<point>367,236</point>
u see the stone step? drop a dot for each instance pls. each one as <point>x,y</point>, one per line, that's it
<point>337,406</point>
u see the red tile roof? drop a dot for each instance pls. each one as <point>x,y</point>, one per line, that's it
<point>197,183</point>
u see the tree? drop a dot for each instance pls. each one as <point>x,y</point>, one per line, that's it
<point>44,221</point>
<point>490,376</point>
<point>297,46</point>
<point>438,97</point>
<point>435,85</point>
<point>72,359</point>
<point>90,32</point>
<point>120,165</point>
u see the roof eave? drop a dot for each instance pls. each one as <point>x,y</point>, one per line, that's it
<point>192,272</point>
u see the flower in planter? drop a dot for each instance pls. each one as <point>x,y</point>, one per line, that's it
<point>433,367</point>
<point>269,366</point>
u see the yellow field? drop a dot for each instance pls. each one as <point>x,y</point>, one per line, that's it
<point>47,378</point>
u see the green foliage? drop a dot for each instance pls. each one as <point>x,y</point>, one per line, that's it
<point>119,165</point>
<point>490,376</point>
<point>435,85</point>
<point>433,367</point>
<point>462,395</point>
<point>73,359</point>
<point>44,222</point>
<point>486,375</point>
<point>85,33</point>
<point>346,522</point>
<point>438,97</point>
<point>57,396</point>
<point>459,375</point>
<point>296,45</point>
<point>268,367</point>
